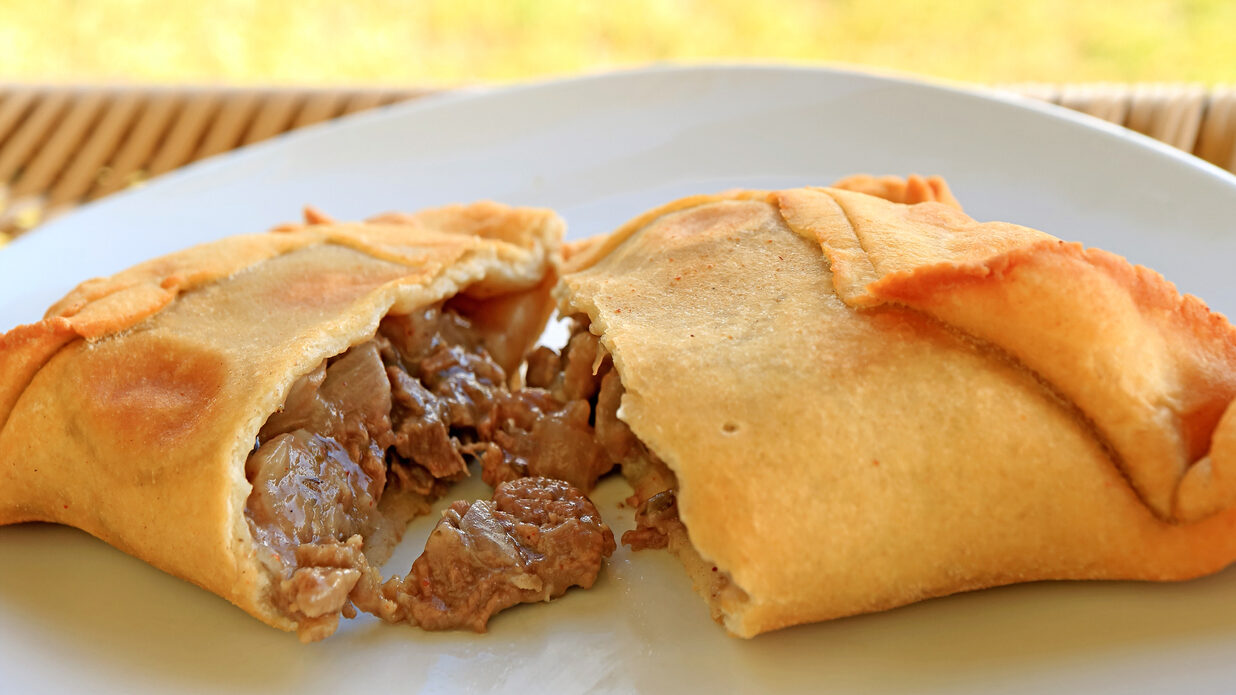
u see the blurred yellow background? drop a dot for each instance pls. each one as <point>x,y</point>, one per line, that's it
<point>451,42</point>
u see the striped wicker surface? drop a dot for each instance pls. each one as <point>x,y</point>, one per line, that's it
<point>62,146</point>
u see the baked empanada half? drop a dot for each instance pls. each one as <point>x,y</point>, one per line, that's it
<point>246,413</point>
<point>840,404</point>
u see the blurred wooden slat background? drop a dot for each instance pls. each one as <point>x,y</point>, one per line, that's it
<point>63,146</point>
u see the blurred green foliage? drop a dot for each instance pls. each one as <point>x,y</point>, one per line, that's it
<point>449,42</point>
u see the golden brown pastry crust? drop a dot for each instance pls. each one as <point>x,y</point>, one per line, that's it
<point>910,190</point>
<point>129,411</point>
<point>867,403</point>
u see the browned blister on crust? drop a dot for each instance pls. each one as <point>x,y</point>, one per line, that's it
<point>865,403</point>
<point>130,410</point>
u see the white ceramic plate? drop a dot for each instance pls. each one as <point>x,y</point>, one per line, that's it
<point>78,616</point>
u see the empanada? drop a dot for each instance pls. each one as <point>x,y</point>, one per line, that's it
<point>839,404</point>
<point>245,413</point>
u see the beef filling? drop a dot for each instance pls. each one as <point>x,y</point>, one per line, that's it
<point>534,540</point>
<point>654,519</point>
<point>584,374</point>
<point>404,412</point>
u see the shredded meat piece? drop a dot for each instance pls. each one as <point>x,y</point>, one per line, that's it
<point>533,541</point>
<point>331,577</point>
<point>409,477</point>
<point>653,519</point>
<point>573,375</point>
<point>423,436</point>
<point>318,591</point>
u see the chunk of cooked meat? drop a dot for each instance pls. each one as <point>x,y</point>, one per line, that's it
<point>319,591</point>
<point>467,383</point>
<point>417,334</point>
<point>580,367</point>
<point>423,435</point>
<point>538,436</point>
<point>654,518</point>
<point>534,540</point>
<point>330,580</point>
<point>573,375</point>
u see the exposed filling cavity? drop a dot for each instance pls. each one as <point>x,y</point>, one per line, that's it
<point>583,377</point>
<point>400,416</point>
<point>319,468</point>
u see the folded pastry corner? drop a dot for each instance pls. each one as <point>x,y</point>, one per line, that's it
<point>839,403</point>
<point>241,413</point>
<point>909,190</point>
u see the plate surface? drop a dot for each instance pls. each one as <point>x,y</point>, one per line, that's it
<point>76,615</point>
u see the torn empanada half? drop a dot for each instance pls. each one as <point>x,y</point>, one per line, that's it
<point>241,414</point>
<point>844,404</point>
